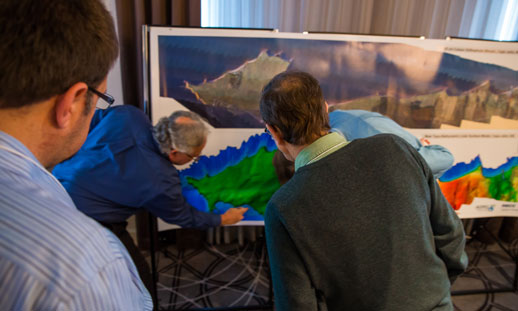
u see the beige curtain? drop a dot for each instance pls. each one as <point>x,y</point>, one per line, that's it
<point>431,18</point>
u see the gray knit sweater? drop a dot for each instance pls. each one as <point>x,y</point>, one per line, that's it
<point>365,228</point>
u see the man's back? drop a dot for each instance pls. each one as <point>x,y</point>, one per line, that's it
<point>362,230</point>
<point>51,255</point>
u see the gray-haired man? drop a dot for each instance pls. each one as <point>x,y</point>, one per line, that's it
<point>125,167</point>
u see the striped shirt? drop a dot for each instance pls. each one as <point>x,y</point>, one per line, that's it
<point>53,257</point>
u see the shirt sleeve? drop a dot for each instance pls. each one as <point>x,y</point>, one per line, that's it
<point>438,158</point>
<point>447,228</point>
<point>448,231</point>
<point>116,287</point>
<point>168,203</point>
<point>291,284</point>
<point>359,124</point>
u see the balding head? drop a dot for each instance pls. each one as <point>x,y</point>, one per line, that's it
<point>292,103</point>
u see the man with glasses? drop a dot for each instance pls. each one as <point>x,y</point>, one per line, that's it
<point>107,99</point>
<point>52,256</point>
<point>125,166</point>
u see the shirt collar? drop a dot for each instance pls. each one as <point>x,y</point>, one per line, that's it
<point>13,143</point>
<point>319,149</point>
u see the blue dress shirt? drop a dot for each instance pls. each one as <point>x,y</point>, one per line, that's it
<point>120,170</point>
<point>53,257</point>
<point>353,124</point>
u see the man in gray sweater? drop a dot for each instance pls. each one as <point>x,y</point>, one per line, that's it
<point>362,225</point>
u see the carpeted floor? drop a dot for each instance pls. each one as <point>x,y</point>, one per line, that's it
<point>490,269</point>
<point>214,276</point>
<point>235,277</point>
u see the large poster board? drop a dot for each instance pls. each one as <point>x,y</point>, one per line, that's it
<point>462,94</point>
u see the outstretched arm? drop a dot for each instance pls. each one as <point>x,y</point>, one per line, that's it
<point>438,158</point>
<point>233,215</point>
<point>448,231</point>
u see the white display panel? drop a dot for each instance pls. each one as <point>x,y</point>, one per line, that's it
<point>432,87</point>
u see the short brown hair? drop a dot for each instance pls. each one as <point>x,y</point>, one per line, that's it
<point>46,46</point>
<point>293,103</point>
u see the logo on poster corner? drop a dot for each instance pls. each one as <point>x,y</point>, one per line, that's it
<point>489,208</point>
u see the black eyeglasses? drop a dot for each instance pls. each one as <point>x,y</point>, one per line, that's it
<point>194,159</point>
<point>108,100</point>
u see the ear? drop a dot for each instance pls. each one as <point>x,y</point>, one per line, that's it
<point>276,135</point>
<point>327,107</point>
<point>69,103</point>
<point>173,156</point>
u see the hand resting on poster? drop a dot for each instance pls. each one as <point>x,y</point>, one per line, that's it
<point>233,215</point>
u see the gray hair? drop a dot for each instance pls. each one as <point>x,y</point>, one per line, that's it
<point>183,136</point>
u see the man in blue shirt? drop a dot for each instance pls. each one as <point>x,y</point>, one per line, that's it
<point>126,165</point>
<point>55,56</point>
<point>354,124</point>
